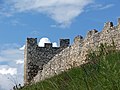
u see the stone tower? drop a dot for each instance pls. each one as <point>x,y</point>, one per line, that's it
<point>35,57</point>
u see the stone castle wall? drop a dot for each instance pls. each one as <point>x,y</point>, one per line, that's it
<point>76,54</point>
<point>36,57</point>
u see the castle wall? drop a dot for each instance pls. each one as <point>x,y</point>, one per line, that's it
<point>76,54</point>
<point>65,60</point>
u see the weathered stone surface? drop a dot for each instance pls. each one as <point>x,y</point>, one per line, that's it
<point>42,63</point>
<point>35,56</point>
<point>118,23</point>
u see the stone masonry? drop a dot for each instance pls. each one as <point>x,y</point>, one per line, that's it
<point>45,62</point>
<point>36,57</point>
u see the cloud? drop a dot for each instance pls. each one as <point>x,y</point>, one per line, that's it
<point>11,71</point>
<point>43,41</point>
<point>19,61</point>
<point>5,14</point>
<point>100,6</point>
<point>46,40</point>
<point>8,55</point>
<point>40,43</point>
<point>16,22</point>
<point>107,6</point>
<point>55,44</point>
<point>4,9</point>
<point>5,83</point>
<point>62,11</point>
<point>22,48</point>
<point>11,66</point>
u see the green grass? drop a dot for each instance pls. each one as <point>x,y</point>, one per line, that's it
<point>102,73</point>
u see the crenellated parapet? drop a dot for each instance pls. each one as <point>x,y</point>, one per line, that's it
<point>108,26</point>
<point>45,62</point>
<point>78,39</point>
<point>48,45</point>
<point>36,57</point>
<point>91,33</point>
<point>64,43</point>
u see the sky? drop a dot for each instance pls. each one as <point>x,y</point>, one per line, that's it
<point>47,20</point>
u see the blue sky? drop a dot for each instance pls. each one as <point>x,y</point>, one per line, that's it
<point>49,20</point>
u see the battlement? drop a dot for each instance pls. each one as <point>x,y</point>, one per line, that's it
<point>108,25</point>
<point>78,39</point>
<point>48,45</point>
<point>36,56</point>
<point>43,62</point>
<point>31,42</point>
<point>64,42</point>
<point>91,32</point>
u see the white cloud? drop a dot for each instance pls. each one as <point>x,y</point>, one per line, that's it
<point>55,44</point>
<point>10,76</point>
<point>62,11</point>
<point>16,22</point>
<point>107,6</point>
<point>43,41</point>
<point>19,61</point>
<point>8,55</point>
<point>11,66</point>
<point>11,71</point>
<point>100,6</point>
<point>46,40</point>
<point>40,43</point>
<point>5,83</point>
<point>6,14</point>
<point>22,48</point>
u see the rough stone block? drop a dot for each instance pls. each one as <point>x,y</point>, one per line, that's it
<point>78,39</point>
<point>64,42</point>
<point>91,33</point>
<point>48,45</point>
<point>108,26</point>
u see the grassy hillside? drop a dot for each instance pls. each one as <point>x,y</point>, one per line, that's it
<point>103,73</point>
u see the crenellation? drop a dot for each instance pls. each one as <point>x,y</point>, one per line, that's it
<point>78,40</point>
<point>91,33</point>
<point>48,45</point>
<point>37,56</point>
<point>108,26</point>
<point>64,43</point>
<point>31,42</point>
<point>45,62</point>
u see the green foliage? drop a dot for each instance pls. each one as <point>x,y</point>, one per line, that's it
<point>101,73</point>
